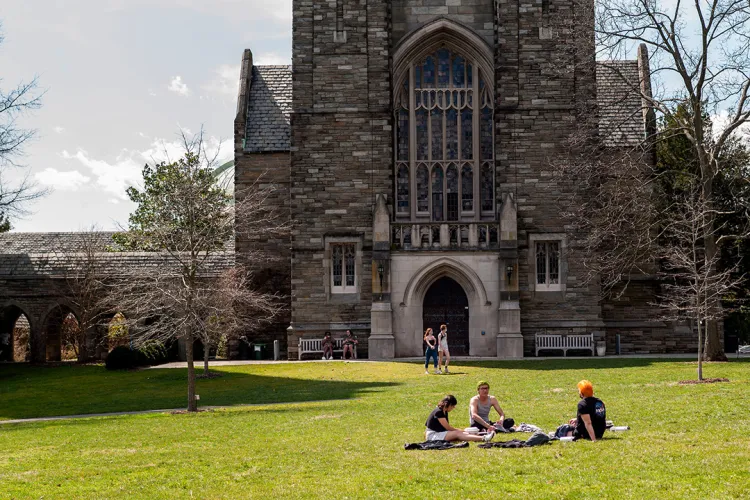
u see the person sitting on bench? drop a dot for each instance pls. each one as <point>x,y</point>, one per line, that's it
<point>350,345</point>
<point>438,428</point>
<point>480,407</point>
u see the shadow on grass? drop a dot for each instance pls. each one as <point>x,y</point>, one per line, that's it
<point>28,392</point>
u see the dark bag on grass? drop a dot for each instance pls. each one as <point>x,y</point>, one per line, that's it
<point>435,445</point>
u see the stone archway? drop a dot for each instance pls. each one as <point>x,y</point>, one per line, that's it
<point>408,312</point>
<point>11,318</point>
<point>446,303</point>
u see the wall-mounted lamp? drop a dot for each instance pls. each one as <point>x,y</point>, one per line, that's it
<point>509,273</point>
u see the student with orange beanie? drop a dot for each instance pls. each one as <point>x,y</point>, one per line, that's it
<point>591,418</point>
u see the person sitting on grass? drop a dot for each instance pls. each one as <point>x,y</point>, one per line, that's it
<point>591,418</point>
<point>327,346</point>
<point>350,345</point>
<point>480,407</point>
<point>439,429</point>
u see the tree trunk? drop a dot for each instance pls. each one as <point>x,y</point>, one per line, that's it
<point>700,350</point>
<point>192,403</point>
<point>205,359</point>
<point>713,351</point>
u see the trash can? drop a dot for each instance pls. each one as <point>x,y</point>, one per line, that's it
<point>260,351</point>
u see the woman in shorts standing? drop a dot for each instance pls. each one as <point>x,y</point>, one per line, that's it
<point>444,355</point>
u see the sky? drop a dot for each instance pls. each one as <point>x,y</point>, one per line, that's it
<point>121,79</point>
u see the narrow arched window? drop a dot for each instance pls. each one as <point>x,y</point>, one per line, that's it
<point>437,193</point>
<point>451,192</point>
<point>444,136</point>
<point>423,189</point>
<point>467,188</point>
<point>402,190</point>
<point>487,179</point>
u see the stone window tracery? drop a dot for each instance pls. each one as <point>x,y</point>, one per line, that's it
<point>444,139</point>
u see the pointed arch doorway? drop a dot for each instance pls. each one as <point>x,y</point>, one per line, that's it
<point>446,303</point>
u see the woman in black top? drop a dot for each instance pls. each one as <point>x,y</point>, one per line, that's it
<point>438,428</point>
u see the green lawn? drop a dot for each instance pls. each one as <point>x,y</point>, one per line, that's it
<point>343,433</point>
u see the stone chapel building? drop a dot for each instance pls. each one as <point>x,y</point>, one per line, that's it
<point>410,141</point>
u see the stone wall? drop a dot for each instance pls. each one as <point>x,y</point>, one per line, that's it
<point>265,169</point>
<point>409,15</point>
<point>537,107</point>
<point>341,154</point>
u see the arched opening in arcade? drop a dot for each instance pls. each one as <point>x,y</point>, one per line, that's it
<point>118,331</point>
<point>446,303</point>
<point>64,337</point>
<point>15,335</point>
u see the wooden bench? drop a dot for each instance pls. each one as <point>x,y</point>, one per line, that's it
<point>564,342</point>
<point>312,346</point>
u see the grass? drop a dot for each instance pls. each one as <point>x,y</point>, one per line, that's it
<point>342,434</point>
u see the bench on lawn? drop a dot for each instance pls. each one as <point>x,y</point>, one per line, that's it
<point>564,342</point>
<point>312,346</point>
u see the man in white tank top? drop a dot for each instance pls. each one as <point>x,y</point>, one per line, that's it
<point>480,407</point>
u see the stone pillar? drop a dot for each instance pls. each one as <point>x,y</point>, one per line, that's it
<point>37,343</point>
<point>509,337</point>
<point>381,344</point>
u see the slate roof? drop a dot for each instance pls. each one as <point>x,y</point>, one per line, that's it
<point>14,243</point>
<point>58,254</point>
<point>270,104</point>
<point>621,121</point>
<point>268,108</point>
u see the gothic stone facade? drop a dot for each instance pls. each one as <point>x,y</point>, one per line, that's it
<point>411,140</point>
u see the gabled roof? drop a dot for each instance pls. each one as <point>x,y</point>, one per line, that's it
<point>621,120</point>
<point>269,105</point>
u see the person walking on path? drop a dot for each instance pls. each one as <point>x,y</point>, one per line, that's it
<point>444,355</point>
<point>439,429</point>
<point>430,351</point>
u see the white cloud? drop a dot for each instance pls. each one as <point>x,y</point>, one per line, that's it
<point>151,93</point>
<point>270,59</point>
<point>115,176</point>
<point>225,81</point>
<point>62,181</point>
<point>178,86</point>
<point>58,129</point>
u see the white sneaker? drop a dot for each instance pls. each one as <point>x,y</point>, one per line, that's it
<point>438,372</point>
<point>427,372</point>
<point>488,437</point>
<point>446,369</point>
<point>323,358</point>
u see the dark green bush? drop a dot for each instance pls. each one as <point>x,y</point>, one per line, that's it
<point>122,358</point>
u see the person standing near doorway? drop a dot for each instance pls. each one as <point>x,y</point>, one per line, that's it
<point>430,351</point>
<point>444,355</point>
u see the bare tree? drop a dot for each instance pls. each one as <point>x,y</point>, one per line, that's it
<point>84,267</point>
<point>230,306</point>
<point>14,103</point>
<point>693,286</point>
<point>698,53</point>
<point>186,220</point>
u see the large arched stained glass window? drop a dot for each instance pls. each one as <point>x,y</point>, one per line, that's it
<point>444,139</point>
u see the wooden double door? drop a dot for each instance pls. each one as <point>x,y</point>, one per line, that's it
<point>446,303</point>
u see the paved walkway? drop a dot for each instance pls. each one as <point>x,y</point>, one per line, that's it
<point>199,365</point>
<point>143,412</point>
